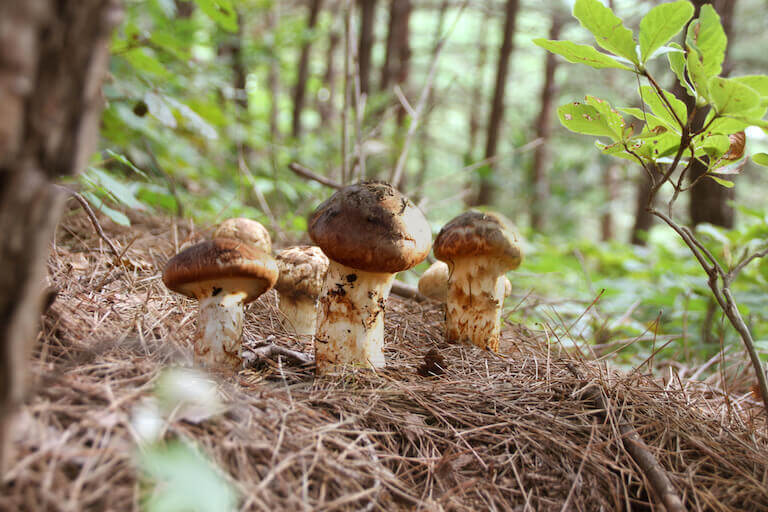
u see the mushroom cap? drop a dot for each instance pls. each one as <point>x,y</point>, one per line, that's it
<point>474,234</point>
<point>221,263</point>
<point>245,230</point>
<point>370,226</point>
<point>302,271</point>
<point>433,283</point>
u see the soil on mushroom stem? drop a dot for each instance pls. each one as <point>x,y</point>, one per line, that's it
<point>488,432</point>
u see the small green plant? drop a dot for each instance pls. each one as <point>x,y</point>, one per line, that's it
<point>671,138</point>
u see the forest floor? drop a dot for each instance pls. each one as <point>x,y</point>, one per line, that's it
<point>533,428</point>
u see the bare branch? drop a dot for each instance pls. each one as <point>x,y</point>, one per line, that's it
<point>92,216</point>
<point>311,175</point>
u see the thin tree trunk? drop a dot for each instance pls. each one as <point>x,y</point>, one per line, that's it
<point>273,82</point>
<point>326,106</point>
<point>424,135</point>
<point>398,48</point>
<point>539,178</point>
<point>709,200</point>
<point>53,59</point>
<point>303,70</point>
<point>643,218</point>
<point>367,18</point>
<point>611,187</point>
<point>486,192</point>
<point>475,109</point>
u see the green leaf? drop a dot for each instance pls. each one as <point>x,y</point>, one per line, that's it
<point>183,480</point>
<point>612,118</point>
<point>159,109</point>
<point>757,82</point>
<point>98,205</point>
<point>194,120</point>
<point>698,74</point>
<point>660,108</point>
<point>706,35</point>
<point>608,29</point>
<point>652,121</point>
<point>115,188</point>
<point>220,11</point>
<point>760,159</point>
<point>143,60</point>
<point>586,119</point>
<point>732,97</point>
<point>661,24</point>
<point>721,181</point>
<point>677,64</point>
<point>713,146</point>
<point>580,54</point>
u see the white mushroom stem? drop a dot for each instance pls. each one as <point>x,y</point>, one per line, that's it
<point>473,306</point>
<point>220,329</point>
<point>300,314</point>
<point>350,319</point>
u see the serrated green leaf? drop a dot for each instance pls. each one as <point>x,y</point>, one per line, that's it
<point>706,35</point>
<point>159,109</point>
<point>677,64</point>
<point>732,97</point>
<point>725,183</point>
<point>760,159</point>
<point>661,24</point>
<point>220,11</point>
<point>142,60</point>
<point>660,108</point>
<point>586,119</point>
<point>580,54</point>
<point>608,29</point>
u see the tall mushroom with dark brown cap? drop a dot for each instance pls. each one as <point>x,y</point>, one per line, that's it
<point>223,274</point>
<point>245,230</point>
<point>433,283</point>
<point>302,272</point>
<point>370,232</point>
<point>478,248</point>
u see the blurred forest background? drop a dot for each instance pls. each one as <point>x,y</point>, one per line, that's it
<point>211,102</point>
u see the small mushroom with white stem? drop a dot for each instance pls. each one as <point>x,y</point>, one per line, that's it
<point>223,274</point>
<point>302,272</point>
<point>246,230</point>
<point>478,248</point>
<point>433,283</point>
<point>369,231</point>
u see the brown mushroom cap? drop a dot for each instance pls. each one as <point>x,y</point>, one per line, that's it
<point>245,230</point>
<point>371,226</point>
<point>479,234</point>
<point>221,263</point>
<point>302,271</point>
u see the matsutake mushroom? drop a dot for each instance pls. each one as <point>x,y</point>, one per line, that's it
<point>302,272</point>
<point>369,231</point>
<point>433,283</point>
<point>245,230</point>
<point>478,248</point>
<point>223,274</point>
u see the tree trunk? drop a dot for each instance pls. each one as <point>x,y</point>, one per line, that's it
<point>303,70</point>
<point>539,179</point>
<point>367,18</point>
<point>709,200</point>
<point>273,82</point>
<point>326,106</point>
<point>643,218</point>
<point>53,56</point>
<point>611,187</point>
<point>398,49</point>
<point>424,135</point>
<point>486,192</point>
<point>478,87</point>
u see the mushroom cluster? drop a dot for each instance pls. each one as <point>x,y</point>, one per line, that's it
<point>478,248</point>
<point>369,231</point>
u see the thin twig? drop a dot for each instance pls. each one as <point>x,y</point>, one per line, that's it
<point>92,216</point>
<point>309,174</point>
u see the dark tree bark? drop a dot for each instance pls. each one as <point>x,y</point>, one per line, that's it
<point>541,156</point>
<point>478,87</point>
<point>643,218</point>
<point>367,18</point>
<point>486,192</point>
<point>709,200</point>
<point>303,70</point>
<point>395,68</point>
<point>53,56</point>
<point>326,107</point>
